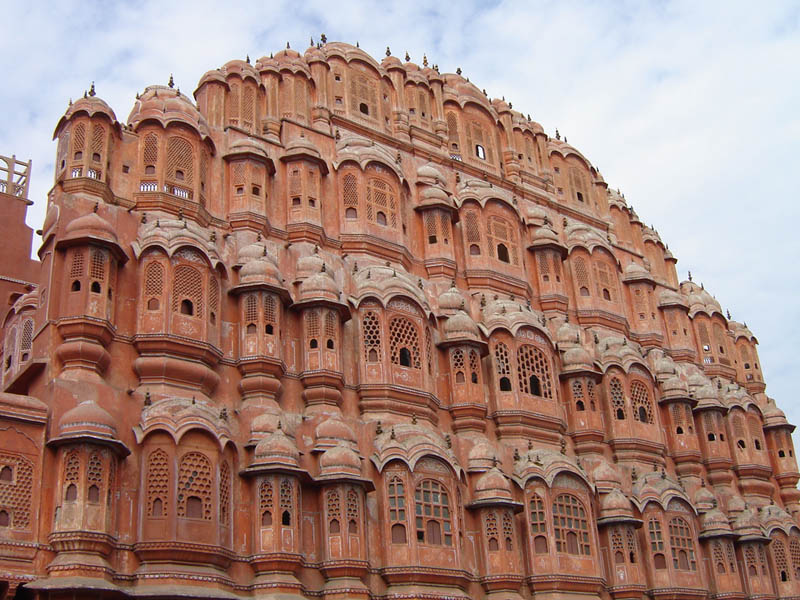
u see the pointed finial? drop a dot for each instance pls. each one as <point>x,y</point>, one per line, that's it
<point>323,38</point>
<point>324,268</point>
<point>258,236</point>
<point>270,55</point>
<point>280,425</point>
<point>563,446</point>
<point>247,59</point>
<point>96,206</point>
<point>91,90</point>
<point>287,45</point>
<point>392,436</point>
<point>728,312</point>
<point>414,418</point>
<point>516,455</point>
<point>424,60</point>
<point>355,267</point>
<point>171,82</point>
<point>690,275</point>
<point>357,45</point>
<point>388,52</point>
<point>558,135</point>
<point>448,441</point>
<point>634,476</point>
<point>70,100</point>
<point>458,71</point>
<point>85,95</point>
<point>147,400</point>
<point>312,41</point>
<point>194,400</point>
<point>663,473</point>
<point>408,58</point>
<point>378,429</point>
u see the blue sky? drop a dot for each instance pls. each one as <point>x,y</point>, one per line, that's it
<point>691,108</point>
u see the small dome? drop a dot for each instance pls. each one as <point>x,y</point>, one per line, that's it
<point>430,173</point>
<point>263,424</point>
<point>87,418</point>
<point>91,225</point>
<point>736,504</point>
<point>334,430</point>
<point>703,499</point>
<point>461,325</point>
<point>91,105</point>
<point>493,485</point>
<point>167,105</point>
<point>451,299</point>
<point>714,522</point>
<point>534,212</point>
<point>674,386</point>
<point>544,234</point>
<point>301,145</point>
<point>634,271</point>
<point>576,356</point>
<point>481,456</point>
<point>248,147</point>
<point>277,448</point>
<point>340,459</point>
<point>308,265</point>
<point>671,298</point>
<point>605,475</point>
<point>319,285</point>
<point>615,501</point>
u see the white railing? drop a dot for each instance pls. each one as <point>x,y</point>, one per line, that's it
<point>93,173</point>
<point>148,186</point>
<point>76,172</point>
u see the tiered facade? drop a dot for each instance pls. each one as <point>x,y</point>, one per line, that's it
<point>350,329</point>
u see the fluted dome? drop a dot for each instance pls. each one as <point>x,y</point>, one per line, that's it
<point>166,105</point>
<point>92,225</point>
<point>451,299</point>
<point>492,486</point>
<point>704,500</point>
<point>481,456</point>
<point>90,418</point>
<point>319,285</point>
<point>606,476</point>
<point>333,431</point>
<point>576,357</point>
<point>461,325</point>
<point>714,523</point>
<point>277,448</point>
<point>340,459</point>
<point>615,508</point>
<point>90,105</point>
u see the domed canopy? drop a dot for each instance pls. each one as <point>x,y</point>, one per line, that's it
<point>460,328</point>
<point>494,489</point>
<point>451,299</point>
<point>92,229</point>
<point>577,358</point>
<point>301,148</point>
<point>260,271</point>
<point>90,105</point>
<point>714,523</point>
<point>616,508</point>
<point>276,449</point>
<point>249,148</point>
<point>89,422</point>
<point>481,456</point>
<point>166,105</point>
<point>340,460</point>
<point>333,431</point>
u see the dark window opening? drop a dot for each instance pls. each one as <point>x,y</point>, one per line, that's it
<point>580,197</point>
<point>474,250</point>
<point>540,544</point>
<point>72,493</point>
<point>431,239</point>
<point>251,328</point>
<point>746,365</point>
<point>255,190</point>
<point>781,453</point>
<point>721,350</point>
<point>313,343</point>
<point>620,414</point>
<point>95,287</point>
<point>502,253</point>
<point>6,474</point>
<point>96,157</point>
<point>584,291</point>
<point>757,444</point>
<point>480,152</point>
<point>295,201</point>
<point>784,576</point>
<point>5,520</point>
<point>329,344</point>
<point>194,508</point>
<point>679,430</point>
<point>405,357</point>
<point>536,387</point>
<point>269,329</point>
<point>659,561</point>
<point>398,534</point>
<point>312,203</point>
<point>179,175</point>
<point>351,213</point>
<point>474,378</point>
<point>125,168</point>
<point>94,494</point>
<point>632,558</point>
<point>505,384</point>
<point>76,286</point>
<point>333,526</point>
<point>363,108</point>
<point>63,163</point>
<point>721,437</point>
<point>460,377</point>
<point>741,444</point>
<point>213,318</point>
<point>286,518</point>
<point>266,518</point>
<point>579,406</point>
<point>606,294</point>
<point>381,218</point>
<point>643,415</point>
<point>78,155</point>
<point>187,308</point>
<point>150,170</point>
<point>509,544</point>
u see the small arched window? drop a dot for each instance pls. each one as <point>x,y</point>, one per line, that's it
<point>502,253</point>
<point>480,151</point>
<point>397,509</point>
<point>571,526</point>
<point>432,514</point>
<point>682,545</point>
<point>187,308</point>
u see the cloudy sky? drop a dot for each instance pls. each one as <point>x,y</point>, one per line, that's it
<point>691,108</point>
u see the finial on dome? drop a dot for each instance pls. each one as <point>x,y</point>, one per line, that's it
<point>565,140</point>
<point>96,206</point>
<point>408,58</point>
<point>265,250</point>
<point>690,275</point>
<point>388,52</point>
<point>147,400</point>
<point>247,57</point>
<point>312,40</point>
<point>702,285</point>
<point>728,312</point>
<point>323,38</point>
<point>634,476</point>
<point>357,45</point>
<point>280,426</point>
<point>516,455</point>
<point>413,418</point>
<point>448,441</point>
<point>558,135</point>
<point>258,236</point>
<point>355,267</point>
<point>91,90</point>
<point>378,429</point>
<point>287,45</point>
<point>85,95</point>
<point>270,55</point>
<point>458,71</point>
<point>663,473</point>
<point>392,436</point>
<point>424,60</point>
<point>171,82</point>
<point>324,268</point>
<point>563,446</point>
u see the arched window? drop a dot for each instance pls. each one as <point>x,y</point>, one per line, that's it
<point>352,512</point>
<point>656,543</point>
<point>491,532</point>
<point>718,557</point>
<point>432,512</point>
<point>581,276</point>
<point>508,531</point>
<point>472,232</point>
<point>265,503</point>
<point>381,202</point>
<point>180,160</point>
<point>533,372</point>
<point>457,364</point>
<point>157,483</point>
<point>404,343</point>
<point>452,131</point>
<point>641,404</point>
<point>794,553</point>
<point>474,366</point>
<point>397,509</point>
<point>502,240</point>
<point>350,196</point>
<point>779,554</point>
<point>270,314</point>
<point>312,328</point>
<point>6,474</point>
<point>680,541</point>
<point>617,546</point>
<point>332,502</point>
<point>94,478</point>
<point>372,337</point>
<point>502,366</point>
<point>153,284</point>
<point>72,468</point>
<point>224,493</point>
<point>287,503</point>
<point>194,486</point>
<point>570,526</point>
<point>538,524</point>
<point>617,398</point>
<point>606,280</point>
<point>187,296</point>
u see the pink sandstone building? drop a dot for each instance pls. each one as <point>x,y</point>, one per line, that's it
<point>340,328</point>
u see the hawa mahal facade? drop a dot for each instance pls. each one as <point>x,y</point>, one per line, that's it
<point>340,328</point>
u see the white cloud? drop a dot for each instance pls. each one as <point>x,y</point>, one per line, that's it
<point>689,107</point>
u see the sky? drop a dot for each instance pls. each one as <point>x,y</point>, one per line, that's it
<point>691,109</point>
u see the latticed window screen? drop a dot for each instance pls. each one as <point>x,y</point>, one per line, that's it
<point>490,522</point>
<point>195,481</point>
<point>508,531</point>
<point>98,135</point>
<point>188,285</point>
<point>472,229</point>
<point>372,337</point>
<point>578,183</point>
<point>779,554</point>
<point>157,483</point>
<point>754,425</point>
<point>79,139</point>
<point>570,525</point>
<point>474,366</point>
<point>457,364</point>
<point>640,399</point>
<point>617,397</point>
<point>794,553</point>
<point>300,96</point>
<point>581,273</point>
<point>350,192</point>
<point>265,502</point>
<point>26,339</point>
<point>213,297</point>
<point>432,511</point>
<point>154,280</point>
<point>251,309</point>
<point>97,264</point>
<point>248,107</point>
<point>72,467</point>
<point>94,473</point>
<point>381,202</point>
<point>738,425</point>
<point>287,498</point>
<point>750,560</point>
<point>452,130</point>
<point>606,280</point>
<point>577,390</point>
<point>617,545</point>
<point>501,231</point>
<point>352,511</point>
<point>704,339</point>
<point>403,335</point>
<point>477,136</point>
<point>180,157</point>
<point>718,557</point>
<point>656,537</point>
<point>270,310</point>
<point>680,541</point>
<point>502,365</point>
<point>15,495</point>
<point>331,325</point>
<point>632,544</point>
<point>233,104</point>
<point>225,493</point>
<point>312,325</point>
<point>334,510</point>
<point>150,150</point>
<point>78,265</point>
<point>363,91</point>
<point>533,368</point>
<point>720,338</point>
<point>730,555</point>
